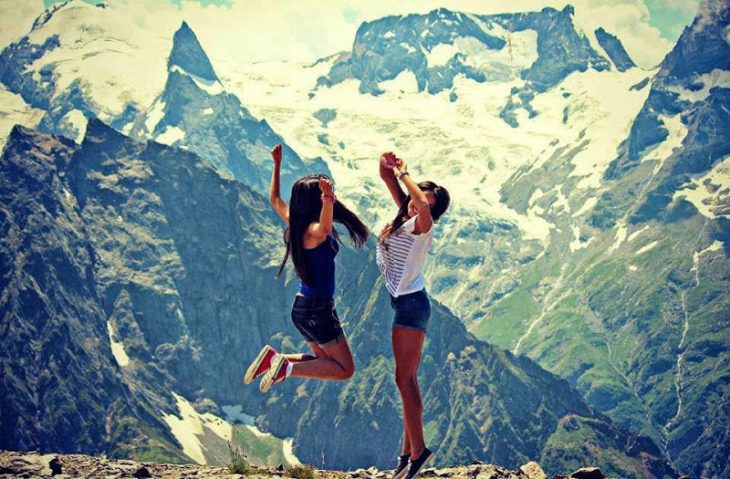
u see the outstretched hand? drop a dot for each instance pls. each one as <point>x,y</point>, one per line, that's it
<point>400,167</point>
<point>276,154</point>
<point>388,160</point>
<point>390,166</point>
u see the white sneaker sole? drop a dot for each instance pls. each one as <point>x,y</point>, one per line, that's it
<point>268,380</point>
<point>423,466</point>
<point>402,473</point>
<point>249,377</point>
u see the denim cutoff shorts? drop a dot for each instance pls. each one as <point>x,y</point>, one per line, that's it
<point>316,319</point>
<point>412,311</point>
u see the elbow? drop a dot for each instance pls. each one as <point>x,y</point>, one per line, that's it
<point>422,206</point>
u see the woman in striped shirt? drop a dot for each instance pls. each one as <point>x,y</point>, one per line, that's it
<point>401,253</point>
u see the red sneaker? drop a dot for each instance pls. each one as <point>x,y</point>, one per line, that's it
<point>260,365</point>
<point>275,374</point>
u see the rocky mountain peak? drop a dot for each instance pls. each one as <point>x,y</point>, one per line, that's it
<point>188,54</point>
<point>703,46</point>
<point>47,14</point>
<point>614,49</point>
<point>436,48</point>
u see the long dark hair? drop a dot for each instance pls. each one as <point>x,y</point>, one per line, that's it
<point>305,206</point>
<point>441,195</point>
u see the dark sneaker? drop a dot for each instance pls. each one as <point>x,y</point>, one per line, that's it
<point>402,468</point>
<point>418,464</point>
<point>275,374</point>
<point>259,365</point>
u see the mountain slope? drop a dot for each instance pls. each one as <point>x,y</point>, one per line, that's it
<point>75,63</point>
<point>646,283</point>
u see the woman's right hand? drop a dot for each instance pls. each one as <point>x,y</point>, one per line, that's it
<point>388,166</point>
<point>388,160</point>
<point>276,154</point>
<point>325,186</point>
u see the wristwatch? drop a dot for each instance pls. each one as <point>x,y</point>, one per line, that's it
<point>401,174</point>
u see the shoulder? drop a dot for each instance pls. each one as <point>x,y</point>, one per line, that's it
<point>410,228</point>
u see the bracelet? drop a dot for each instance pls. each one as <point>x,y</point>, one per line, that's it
<point>402,174</point>
<point>328,199</point>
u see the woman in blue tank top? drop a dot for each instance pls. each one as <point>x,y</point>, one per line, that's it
<point>312,243</point>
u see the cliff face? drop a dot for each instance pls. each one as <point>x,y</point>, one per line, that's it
<point>52,314</point>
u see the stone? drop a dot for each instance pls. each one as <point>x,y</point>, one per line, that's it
<point>359,473</point>
<point>533,470</point>
<point>142,472</point>
<point>588,473</point>
<point>55,466</point>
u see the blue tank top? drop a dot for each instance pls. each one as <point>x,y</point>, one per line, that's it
<point>321,264</point>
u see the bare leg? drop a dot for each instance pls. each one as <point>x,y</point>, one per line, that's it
<point>406,450</point>
<point>294,358</point>
<point>407,347</point>
<point>334,362</point>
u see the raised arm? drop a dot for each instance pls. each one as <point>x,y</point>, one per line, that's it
<point>418,197</point>
<point>280,206</point>
<point>388,161</point>
<point>318,231</point>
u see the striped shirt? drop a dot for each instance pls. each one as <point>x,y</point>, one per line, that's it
<point>401,257</point>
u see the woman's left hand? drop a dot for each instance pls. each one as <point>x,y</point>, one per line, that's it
<point>325,186</point>
<point>400,167</point>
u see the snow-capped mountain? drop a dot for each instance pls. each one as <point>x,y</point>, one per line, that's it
<point>540,48</point>
<point>196,112</point>
<point>81,61</point>
<point>76,61</point>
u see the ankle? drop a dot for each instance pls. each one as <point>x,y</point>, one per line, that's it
<point>416,453</point>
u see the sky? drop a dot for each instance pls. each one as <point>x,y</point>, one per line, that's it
<point>305,30</point>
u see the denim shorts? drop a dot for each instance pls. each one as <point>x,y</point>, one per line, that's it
<point>316,319</point>
<point>412,311</point>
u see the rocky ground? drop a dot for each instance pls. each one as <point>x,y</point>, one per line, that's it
<point>32,465</point>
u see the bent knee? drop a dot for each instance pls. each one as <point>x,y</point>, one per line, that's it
<point>346,373</point>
